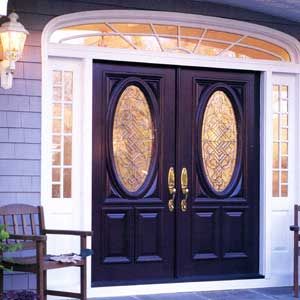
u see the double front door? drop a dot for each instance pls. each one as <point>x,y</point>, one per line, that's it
<point>175,174</point>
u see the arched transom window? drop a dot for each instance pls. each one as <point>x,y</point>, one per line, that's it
<point>170,38</point>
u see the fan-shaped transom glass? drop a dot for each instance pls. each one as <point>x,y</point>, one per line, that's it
<point>219,141</point>
<point>170,38</point>
<point>133,138</point>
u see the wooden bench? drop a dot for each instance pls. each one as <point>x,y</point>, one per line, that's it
<point>295,229</point>
<point>26,225</point>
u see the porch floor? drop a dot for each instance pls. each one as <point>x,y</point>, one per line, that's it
<point>282,293</point>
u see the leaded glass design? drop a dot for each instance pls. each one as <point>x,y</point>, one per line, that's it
<point>62,124</point>
<point>219,141</point>
<point>170,38</point>
<point>133,138</point>
<point>280,140</point>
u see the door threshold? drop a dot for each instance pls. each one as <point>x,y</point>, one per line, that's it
<point>189,286</point>
<point>177,280</point>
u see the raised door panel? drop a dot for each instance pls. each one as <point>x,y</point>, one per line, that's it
<point>149,234</point>
<point>205,233</point>
<point>235,232</point>
<point>116,231</point>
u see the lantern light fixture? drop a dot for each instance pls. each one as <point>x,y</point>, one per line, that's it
<point>13,36</point>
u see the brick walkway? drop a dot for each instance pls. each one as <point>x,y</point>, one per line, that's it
<point>280,293</point>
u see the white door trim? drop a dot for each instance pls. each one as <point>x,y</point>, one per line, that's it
<point>85,56</point>
<point>279,38</point>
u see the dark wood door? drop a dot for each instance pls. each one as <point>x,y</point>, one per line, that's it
<point>133,148</point>
<point>218,144</point>
<point>147,120</point>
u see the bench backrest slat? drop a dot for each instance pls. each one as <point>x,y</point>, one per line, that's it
<point>22,219</point>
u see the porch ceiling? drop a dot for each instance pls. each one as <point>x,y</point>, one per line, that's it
<point>288,9</point>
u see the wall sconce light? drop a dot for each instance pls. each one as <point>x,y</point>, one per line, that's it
<point>12,35</point>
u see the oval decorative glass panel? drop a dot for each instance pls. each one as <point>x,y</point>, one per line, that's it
<point>133,138</point>
<point>219,141</point>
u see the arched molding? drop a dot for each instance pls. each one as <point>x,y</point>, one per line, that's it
<point>281,39</point>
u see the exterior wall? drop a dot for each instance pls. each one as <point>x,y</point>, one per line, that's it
<point>20,107</point>
<point>20,131</point>
<point>20,138</point>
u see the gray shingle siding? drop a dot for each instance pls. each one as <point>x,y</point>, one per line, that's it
<point>20,167</point>
<point>35,104</point>
<point>20,281</point>
<point>27,184</point>
<point>20,141</point>
<point>16,135</point>
<point>3,135</point>
<point>32,70</point>
<point>20,135</point>
<point>6,152</point>
<point>10,198</point>
<point>27,151</point>
<point>14,103</point>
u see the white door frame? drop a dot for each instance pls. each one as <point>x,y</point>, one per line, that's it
<point>85,55</point>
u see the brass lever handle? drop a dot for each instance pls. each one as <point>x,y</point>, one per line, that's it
<point>184,190</point>
<point>171,203</point>
<point>183,203</point>
<point>172,189</point>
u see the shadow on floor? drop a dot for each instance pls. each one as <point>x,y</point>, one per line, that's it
<point>280,293</point>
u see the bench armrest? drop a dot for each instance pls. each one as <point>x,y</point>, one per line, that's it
<point>68,232</point>
<point>294,228</point>
<point>27,237</point>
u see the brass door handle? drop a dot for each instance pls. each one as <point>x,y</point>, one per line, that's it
<point>171,203</point>
<point>184,203</point>
<point>172,189</point>
<point>184,190</point>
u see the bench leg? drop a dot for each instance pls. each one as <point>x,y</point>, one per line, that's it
<point>40,285</point>
<point>83,271</point>
<point>83,282</point>
<point>296,286</point>
<point>1,283</point>
<point>296,275</point>
<point>40,280</point>
<point>45,282</point>
<point>296,265</point>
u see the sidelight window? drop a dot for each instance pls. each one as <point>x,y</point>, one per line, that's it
<point>280,140</point>
<point>171,38</point>
<point>62,119</point>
